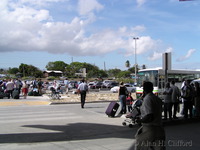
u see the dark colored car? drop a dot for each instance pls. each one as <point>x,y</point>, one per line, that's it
<point>112,84</point>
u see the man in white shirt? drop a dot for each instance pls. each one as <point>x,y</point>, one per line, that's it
<point>9,88</point>
<point>66,82</point>
<point>18,85</point>
<point>83,88</point>
<point>151,135</point>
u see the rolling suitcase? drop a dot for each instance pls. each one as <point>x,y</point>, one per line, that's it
<point>112,109</point>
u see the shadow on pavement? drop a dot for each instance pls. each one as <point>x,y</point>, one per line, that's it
<point>80,131</point>
<point>181,134</point>
<point>181,121</point>
<point>70,132</point>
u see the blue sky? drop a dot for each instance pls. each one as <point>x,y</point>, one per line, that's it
<point>36,32</point>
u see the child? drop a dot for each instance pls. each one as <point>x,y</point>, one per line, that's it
<point>129,101</point>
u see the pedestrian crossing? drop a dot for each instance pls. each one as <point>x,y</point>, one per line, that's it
<point>34,115</point>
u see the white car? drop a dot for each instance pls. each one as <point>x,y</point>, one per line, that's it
<point>129,87</point>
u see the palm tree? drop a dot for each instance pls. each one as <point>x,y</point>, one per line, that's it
<point>127,64</point>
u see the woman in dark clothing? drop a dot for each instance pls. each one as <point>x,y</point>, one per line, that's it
<point>122,97</point>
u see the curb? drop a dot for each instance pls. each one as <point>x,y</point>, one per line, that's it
<point>19,103</point>
<point>55,103</point>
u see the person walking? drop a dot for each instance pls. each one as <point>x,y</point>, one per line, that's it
<point>123,93</point>
<point>83,89</point>
<point>66,82</point>
<point>151,135</point>
<point>175,98</point>
<point>168,101</point>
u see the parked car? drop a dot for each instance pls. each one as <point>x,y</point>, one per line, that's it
<point>94,85</point>
<point>112,84</point>
<point>109,83</point>
<point>98,85</point>
<point>196,80</point>
<point>91,85</point>
<point>129,87</point>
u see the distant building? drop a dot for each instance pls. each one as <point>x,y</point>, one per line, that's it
<point>48,73</point>
<point>82,74</point>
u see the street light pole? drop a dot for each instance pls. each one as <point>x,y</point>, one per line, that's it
<point>135,38</point>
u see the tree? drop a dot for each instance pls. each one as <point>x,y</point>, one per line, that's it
<point>76,67</point>
<point>127,64</point>
<point>56,66</point>
<point>92,70</point>
<point>124,74</point>
<point>102,74</point>
<point>144,66</point>
<point>23,68</point>
<point>34,71</point>
<point>132,69</point>
<point>13,70</point>
<point>113,72</point>
<point>30,70</point>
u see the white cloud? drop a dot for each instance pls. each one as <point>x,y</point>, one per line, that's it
<point>38,2</point>
<point>187,56</point>
<point>140,2</point>
<point>158,54</point>
<point>169,49</point>
<point>139,28</point>
<point>86,7</point>
<point>143,45</point>
<point>28,29</point>
<point>155,56</point>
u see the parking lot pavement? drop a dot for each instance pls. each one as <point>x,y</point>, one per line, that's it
<point>70,98</point>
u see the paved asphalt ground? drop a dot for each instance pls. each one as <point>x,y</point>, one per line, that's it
<point>34,124</point>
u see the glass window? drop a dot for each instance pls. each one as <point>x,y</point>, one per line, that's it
<point>151,76</point>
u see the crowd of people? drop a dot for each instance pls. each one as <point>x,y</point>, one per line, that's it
<point>151,135</point>
<point>188,95</point>
<point>35,87</point>
<point>13,88</point>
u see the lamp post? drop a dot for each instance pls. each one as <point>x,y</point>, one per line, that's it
<point>135,38</point>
